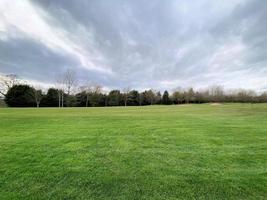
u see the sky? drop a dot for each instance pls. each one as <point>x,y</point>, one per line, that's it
<point>139,44</point>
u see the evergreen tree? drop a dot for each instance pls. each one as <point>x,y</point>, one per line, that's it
<point>20,96</point>
<point>165,98</point>
<point>51,98</point>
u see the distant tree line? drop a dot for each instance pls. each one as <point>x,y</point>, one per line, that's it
<point>18,94</point>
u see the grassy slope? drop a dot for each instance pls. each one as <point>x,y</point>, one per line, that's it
<point>157,152</point>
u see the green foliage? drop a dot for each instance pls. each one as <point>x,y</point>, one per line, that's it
<point>148,97</point>
<point>115,98</point>
<point>133,98</point>
<point>93,97</point>
<point>71,101</point>
<point>158,98</point>
<point>151,152</point>
<point>20,96</point>
<point>96,99</point>
<point>165,98</point>
<point>178,97</point>
<point>81,99</point>
<point>51,98</point>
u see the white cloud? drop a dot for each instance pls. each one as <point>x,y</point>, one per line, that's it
<point>30,21</point>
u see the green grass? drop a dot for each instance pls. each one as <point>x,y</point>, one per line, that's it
<point>154,152</point>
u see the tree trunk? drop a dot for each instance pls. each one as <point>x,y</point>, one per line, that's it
<point>87,100</point>
<point>125,100</point>
<point>59,99</point>
<point>62,104</point>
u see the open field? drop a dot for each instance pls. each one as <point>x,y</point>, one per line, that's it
<point>153,152</point>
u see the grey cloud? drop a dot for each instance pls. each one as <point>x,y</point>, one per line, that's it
<point>31,59</point>
<point>147,43</point>
<point>247,21</point>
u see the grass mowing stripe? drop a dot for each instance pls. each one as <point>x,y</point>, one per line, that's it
<point>153,152</point>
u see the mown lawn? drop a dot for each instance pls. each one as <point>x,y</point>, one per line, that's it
<point>153,152</point>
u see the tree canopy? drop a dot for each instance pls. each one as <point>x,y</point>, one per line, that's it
<point>20,96</point>
<point>26,96</point>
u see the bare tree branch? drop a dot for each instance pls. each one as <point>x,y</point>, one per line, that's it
<point>126,94</point>
<point>6,82</point>
<point>69,80</point>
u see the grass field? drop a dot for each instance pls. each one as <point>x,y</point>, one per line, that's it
<point>154,152</point>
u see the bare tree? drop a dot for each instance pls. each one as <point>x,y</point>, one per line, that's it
<point>152,96</point>
<point>6,82</point>
<point>86,89</point>
<point>190,95</point>
<point>245,96</point>
<point>178,95</point>
<point>263,97</point>
<point>38,97</point>
<point>126,95</point>
<point>217,93</point>
<point>60,89</point>
<point>69,80</point>
<point>140,99</point>
<point>94,93</point>
<point>65,82</point>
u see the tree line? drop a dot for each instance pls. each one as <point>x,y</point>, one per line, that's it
<point>19,94</point>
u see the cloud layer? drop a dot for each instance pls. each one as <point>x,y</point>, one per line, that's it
<point>142,44</point>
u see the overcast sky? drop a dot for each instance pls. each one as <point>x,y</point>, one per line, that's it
<point>141,44</point>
